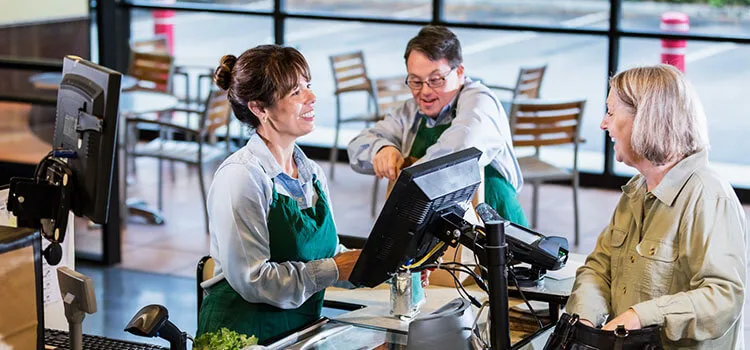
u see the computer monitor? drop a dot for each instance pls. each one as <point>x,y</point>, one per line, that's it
<point>405,228</point>
<point>86,126</point>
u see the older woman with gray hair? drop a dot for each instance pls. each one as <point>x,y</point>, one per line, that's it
<point>673,254</point>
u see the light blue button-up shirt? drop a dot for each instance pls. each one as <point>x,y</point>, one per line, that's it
<point>480,122</point>
<point>238,204</point>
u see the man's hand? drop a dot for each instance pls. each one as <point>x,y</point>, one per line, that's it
<point>586,322</point>
<point>345,263</point>
<point>387,162</point>
<point>629,319</point>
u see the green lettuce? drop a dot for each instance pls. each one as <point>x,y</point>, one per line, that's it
<point>223,339</point>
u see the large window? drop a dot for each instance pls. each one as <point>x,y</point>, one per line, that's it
<point>415,9</point>
<point>720,74</point>
<point>200,39</point>
<point>576,65</point>
<point>563,13</point>
<point>383,49</point>
<point>710,17</point>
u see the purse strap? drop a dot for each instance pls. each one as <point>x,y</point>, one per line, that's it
<point>569,330</point>
<point>620,334</point>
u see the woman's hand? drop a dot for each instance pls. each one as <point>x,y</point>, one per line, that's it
<point>629,319</point>
<point>345,263</point>
<point>387,162</point>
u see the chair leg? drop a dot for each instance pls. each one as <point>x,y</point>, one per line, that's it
<point>575,212</point>
<point>125,169</point>
<point>375,196</point>
<point>203,194</point>
<point>160,185</point>
<point>334,148</point>
<point>131,138</point>
<point>534,204</point>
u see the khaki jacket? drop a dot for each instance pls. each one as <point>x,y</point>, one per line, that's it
<point>676,256</point>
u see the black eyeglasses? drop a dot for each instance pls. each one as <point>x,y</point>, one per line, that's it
<point>433,82</point>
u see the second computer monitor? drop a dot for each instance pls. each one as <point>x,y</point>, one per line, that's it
<point>86,127</point>
<point>402,231</point>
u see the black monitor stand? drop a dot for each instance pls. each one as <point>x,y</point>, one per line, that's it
<point>492,252</point>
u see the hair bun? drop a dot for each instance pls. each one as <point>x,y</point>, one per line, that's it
<point>223,73</point>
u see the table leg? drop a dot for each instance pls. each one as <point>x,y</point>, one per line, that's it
<point>554,312</point>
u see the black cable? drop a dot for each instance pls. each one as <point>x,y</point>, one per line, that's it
<point>460,288</point>
<point>531,309</point>
<point>478,279</point>
<point>461,268</point>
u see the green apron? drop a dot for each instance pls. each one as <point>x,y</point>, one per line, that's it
<point>498,192</point>
<point>295,235</point>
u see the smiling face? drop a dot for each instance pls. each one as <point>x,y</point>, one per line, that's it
<point>432,100</point>
<point>619,123</point>
<point>292,115</point>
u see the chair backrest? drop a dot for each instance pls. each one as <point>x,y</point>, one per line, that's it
<point>157,44</point>
<point>153,70</point>
<point>204,271</point>
<point>390,93</point>
<point>349,73</point>
<point>536,123</point>
<point>529,81</point>
<point>217,113</point>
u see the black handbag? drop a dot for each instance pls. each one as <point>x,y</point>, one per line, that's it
<point>570,334</point>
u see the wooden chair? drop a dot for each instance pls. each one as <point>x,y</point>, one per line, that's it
<point>390,93</point>
<point>539,123</point>
<point>528,84</point>
<point>199,145</point>
<point>153,71</point>
<point>350,75</point>
<point>159,44</point>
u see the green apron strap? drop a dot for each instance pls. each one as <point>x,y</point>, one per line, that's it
<point>502,197</point>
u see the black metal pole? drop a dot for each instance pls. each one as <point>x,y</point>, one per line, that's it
<point>437,11</point>
<point>279,13</point>
<point>613,60</point>
<point>497,250</point>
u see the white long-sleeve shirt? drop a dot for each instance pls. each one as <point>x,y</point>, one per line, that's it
<point>238,205</point>
<point>480,122</point>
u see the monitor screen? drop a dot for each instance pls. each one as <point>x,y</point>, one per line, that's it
<point>402,232</point>
<point>86,127</point>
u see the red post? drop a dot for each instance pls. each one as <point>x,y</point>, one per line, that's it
<point>164,25</point>
<point>673,51</point>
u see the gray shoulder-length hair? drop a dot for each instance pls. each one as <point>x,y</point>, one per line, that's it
<point>669,123</point>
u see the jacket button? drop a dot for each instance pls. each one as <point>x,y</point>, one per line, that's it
<point>632,259</point>
<point>624,290</point>
<point>652,251</point>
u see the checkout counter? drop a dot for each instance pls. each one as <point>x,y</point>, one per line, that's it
<point>369,324</point>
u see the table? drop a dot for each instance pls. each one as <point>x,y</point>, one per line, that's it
<point>134,103</point>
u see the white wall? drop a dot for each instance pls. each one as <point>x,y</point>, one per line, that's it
<point>13,12</point>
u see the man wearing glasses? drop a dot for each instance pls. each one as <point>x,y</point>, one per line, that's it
<point>449,112</point>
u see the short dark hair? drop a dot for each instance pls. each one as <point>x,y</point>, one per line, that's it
<point>264,74</point>
<point>436,42</point>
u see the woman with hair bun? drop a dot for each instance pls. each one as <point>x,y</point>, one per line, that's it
<point>273,236</point>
